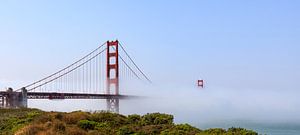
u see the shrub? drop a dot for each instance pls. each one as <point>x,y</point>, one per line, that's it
<point>59,116</point>
<point>154,129</point>
<point>156,119</point>
<point>215,131</point>
<point>43,118</point>
<point>75,131</point>
<point>134,119</point>
<point>172,132</point>
<point>74,117</point>
<point>125,130</point>
<point>187,128</point>
<point>87,125</point>
<point>113,119</point>
<point>32,130</point>
<point>102,125</point>
<point>11,120</point>
<point>59,126</point>
<point>181,129</point>
<point>240,131</point>
<point>95,132</point>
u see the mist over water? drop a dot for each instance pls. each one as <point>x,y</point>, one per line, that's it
<point>266,111</point>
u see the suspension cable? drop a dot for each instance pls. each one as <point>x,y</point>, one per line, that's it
<point>134,63</point>
<point>63,68</point>
<point>129,67</point>
<point>68,71</point>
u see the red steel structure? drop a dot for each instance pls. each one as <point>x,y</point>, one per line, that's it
<point>112,74</point>
<point>112,70</point>
<point>200,83</point>
<point>94,76</point>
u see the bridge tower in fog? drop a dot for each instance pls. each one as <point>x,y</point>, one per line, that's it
<point>112,74</point>
<point>97,75</point>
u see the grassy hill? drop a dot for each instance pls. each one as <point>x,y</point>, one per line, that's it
<point>36,122</point>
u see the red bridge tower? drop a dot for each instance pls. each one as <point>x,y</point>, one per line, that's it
<point>112,72</point>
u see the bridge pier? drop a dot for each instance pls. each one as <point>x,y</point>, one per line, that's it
<point>113,105</point>
<point>1,100</point>
<point>23,98</point>
<point>11,99</point>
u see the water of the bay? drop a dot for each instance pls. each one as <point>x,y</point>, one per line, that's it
<point>267,112</point>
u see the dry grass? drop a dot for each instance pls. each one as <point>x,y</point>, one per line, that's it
<point>74,117</point>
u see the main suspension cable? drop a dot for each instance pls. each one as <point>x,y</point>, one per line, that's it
<point>68,71</point>
<point>63,68</point>
<point>134,63</point>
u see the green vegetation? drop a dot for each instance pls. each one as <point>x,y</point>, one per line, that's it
<point>11,120</point>
<point>36,122</point>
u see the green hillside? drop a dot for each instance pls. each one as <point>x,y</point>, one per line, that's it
<point>36,122</point>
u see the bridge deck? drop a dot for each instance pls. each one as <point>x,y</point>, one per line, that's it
<point>54,95</point>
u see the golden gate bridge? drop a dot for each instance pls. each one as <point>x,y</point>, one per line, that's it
<point>101,74</point>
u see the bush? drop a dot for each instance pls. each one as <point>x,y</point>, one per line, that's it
<point>74,117</point>
<point>172,132</point>
<point>181,129</point>
<point>215,131</point>
<point>102,125</point>
<point>154,129</point>
<point>125,130</point>
<point>156,119</point>
<point>134,119</point>
<point>187,128</point>
<point>87,125</point>
<point>95,132</point>
<point>59,116</point>
<point>104,128</point>
<point>59,126</point>
<point>75,131</point>
<point>113,119</point>
<point>32,130</point>
<point>11,120</point>
<point>43,118</point>
<point>240,131</point>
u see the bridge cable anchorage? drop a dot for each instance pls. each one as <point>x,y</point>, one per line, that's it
<point>147,78</point>
<point>32,84</point>
<point>68,71</point>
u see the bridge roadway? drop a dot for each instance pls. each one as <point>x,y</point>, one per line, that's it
<point>54,95</point>
<point>13,99</point>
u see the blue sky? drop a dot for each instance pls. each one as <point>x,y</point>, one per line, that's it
<point>246,51</point>
<point>232,44</point>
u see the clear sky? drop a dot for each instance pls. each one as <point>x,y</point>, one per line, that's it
<point>247,51</point>
<point>229,43</point>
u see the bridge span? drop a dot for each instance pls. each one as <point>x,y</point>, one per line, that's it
<point>13,99</point>
<point>95,76</point>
